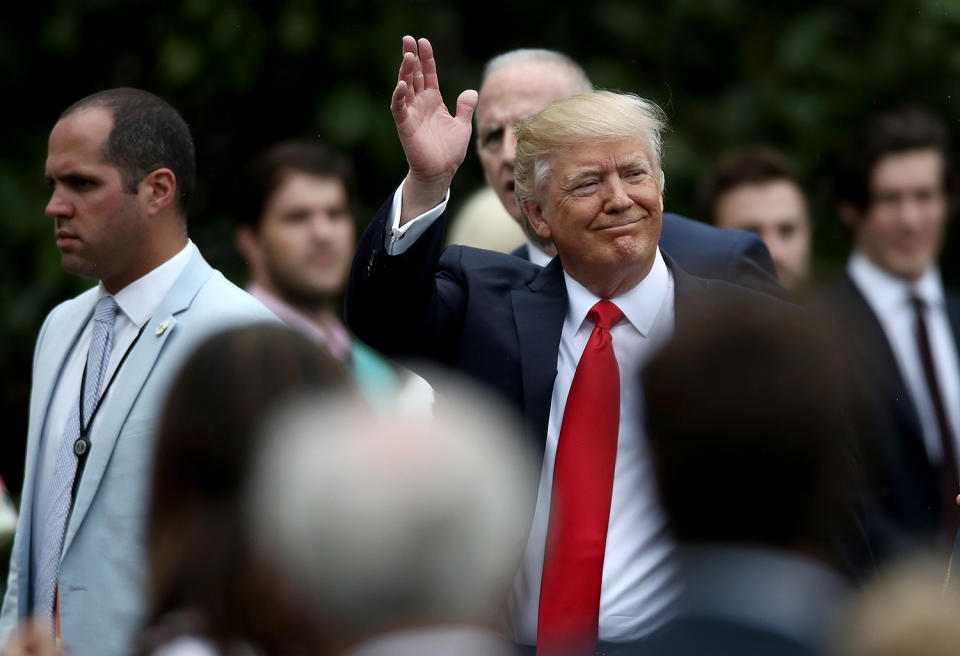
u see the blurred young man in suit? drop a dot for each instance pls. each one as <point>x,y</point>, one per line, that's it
<point>297,233</point>
<point>893,191</point>
<point>755,190</point>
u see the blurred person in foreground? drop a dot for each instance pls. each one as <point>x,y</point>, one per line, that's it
<point>562,344</point>
<point>120,164</point>
<point>756,190</point>
<point>906,611</point>
<point>519,83</point>
<point>900,324</point>
<point>297,233</point>
<point>767,441</point>
<point>482,222</point>
<point>403,533</point>
<point>208,593</point>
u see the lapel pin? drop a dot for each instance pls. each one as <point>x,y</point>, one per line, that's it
<point>162,327</point>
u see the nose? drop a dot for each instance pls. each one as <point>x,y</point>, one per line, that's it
<point>509,147</point>
<point>616,199</point>
<point>911,213</point>
<point>58,206</point>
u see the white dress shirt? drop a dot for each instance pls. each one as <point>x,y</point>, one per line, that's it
<point>889,298</point>
<point>137,303</point>
<point>639,582</point>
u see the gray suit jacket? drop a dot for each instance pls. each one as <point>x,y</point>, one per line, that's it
<point>103,566</point>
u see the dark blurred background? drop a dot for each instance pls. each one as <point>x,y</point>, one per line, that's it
<point>794,74</point>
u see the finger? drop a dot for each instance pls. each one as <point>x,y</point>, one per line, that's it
<point>406,75</point>
<point>466,103</point>
<point>408,44</point>
<point>417,75</point>
<point>398,102</point>
<point>430,80</point>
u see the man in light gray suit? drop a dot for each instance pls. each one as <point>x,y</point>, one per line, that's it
<point>120,164</point>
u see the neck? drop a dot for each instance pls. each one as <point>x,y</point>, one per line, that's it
<point>315,308</point>
<point>153,253</point>
<point>612,283</point>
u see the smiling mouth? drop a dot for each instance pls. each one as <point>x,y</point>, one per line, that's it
<point>625,223</point>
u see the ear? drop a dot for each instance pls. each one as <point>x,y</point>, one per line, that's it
<point>534,213</point>
<point>248,244</point>
<point>159,189</point>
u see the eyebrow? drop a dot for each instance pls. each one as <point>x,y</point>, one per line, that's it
<point>587,171</point>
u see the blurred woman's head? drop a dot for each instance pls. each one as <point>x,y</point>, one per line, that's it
<point>199,557</point>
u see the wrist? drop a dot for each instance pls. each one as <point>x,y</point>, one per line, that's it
<point>420,196</point>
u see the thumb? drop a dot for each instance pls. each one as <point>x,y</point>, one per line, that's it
<point>466,103</point>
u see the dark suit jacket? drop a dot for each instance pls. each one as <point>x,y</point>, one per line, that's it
<point>491,316</point>
<point>702,250</point>
<point>903,483</point>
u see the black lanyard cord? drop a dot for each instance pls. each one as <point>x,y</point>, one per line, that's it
<point>81,447</point>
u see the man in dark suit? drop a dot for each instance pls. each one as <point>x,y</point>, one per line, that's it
<point>563,344</point>
<point>519,83</point>
<point>901,324</point>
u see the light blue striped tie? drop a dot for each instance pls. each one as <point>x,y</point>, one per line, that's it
<point>58,512</point>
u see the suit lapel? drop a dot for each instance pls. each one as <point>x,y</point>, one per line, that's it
<point>875,350</point>
<point>686,291</point>
<point>130,381</point>
<point>539,310</point>
<point>59,340</point>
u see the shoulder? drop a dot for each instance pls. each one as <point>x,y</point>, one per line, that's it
<point>67,310</point>
<point>371,369</point>
<point>67,314</point>
<point>221,300</point>
<point>679,230</point>
<point>698,299</point>
<point>489,267</point>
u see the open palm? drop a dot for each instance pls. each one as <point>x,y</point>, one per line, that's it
<point>434,142</point>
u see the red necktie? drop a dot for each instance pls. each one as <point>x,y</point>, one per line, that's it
<point>580,503</point>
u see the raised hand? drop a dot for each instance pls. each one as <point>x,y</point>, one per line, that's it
<point>434,142</point>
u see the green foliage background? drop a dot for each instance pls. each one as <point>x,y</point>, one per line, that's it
<point>794,74</point>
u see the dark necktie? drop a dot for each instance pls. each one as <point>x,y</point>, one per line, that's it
<point>580,502</point>
<point>949,480</point>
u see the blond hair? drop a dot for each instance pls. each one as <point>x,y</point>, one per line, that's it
<point>601,116</point>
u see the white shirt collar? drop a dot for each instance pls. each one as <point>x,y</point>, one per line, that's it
<point>639,305</point>
<point>140,299</point>
<point>886,292</point>
<point>537,256</point>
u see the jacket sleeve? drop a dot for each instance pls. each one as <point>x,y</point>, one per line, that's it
<point>410,304</point>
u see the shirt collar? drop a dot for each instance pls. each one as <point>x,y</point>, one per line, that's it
<point>885,291</point>
<point>640,305</point>
<point>141,298</point>
<point>537,256</point>
<point>331,334</point>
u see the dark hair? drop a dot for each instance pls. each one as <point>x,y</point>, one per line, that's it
<point>147,134</point>
<point>889,133</point>
<point>746,422</point>
<point>199,555</point>
<point>754,165</point>
<point>271,168</point>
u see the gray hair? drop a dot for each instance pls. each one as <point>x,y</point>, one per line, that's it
<point>386,521</point>
<point>598,116</point>
<point>579,80</point>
